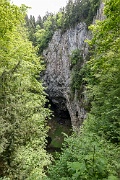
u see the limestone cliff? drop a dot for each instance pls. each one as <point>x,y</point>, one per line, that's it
<point>57,77</point>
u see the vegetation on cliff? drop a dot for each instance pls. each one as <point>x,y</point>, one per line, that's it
<point>42,30</point>
<point>94,152</point>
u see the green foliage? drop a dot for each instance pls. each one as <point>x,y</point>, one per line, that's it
<point>13,16</point>
<point>74,12</point>
<point>90,10</point>
<point>31,26</point>
<point>104,67</point>
<point>41,31</point>
<point>59,20</point>
<point>77,70</point>
<point>94,152</point>
<point>44,35</point>
<point>86,156</point>
<point>76,56</point>
<point>79,11</point>
<point>22,113</point>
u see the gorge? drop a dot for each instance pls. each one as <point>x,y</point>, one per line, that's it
<point>60,92</point>
<point>59,71</point>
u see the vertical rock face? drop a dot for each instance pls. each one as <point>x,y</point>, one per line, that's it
<point>57,77</point>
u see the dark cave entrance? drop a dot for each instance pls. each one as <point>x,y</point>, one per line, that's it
<point>60,112</point>
<point>59,124</point>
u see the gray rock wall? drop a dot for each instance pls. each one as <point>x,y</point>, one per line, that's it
<point>57,77</point>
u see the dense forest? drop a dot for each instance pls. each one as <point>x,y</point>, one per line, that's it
<point>94,151</point>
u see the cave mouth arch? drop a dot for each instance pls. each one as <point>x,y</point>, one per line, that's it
<point>60,111</point>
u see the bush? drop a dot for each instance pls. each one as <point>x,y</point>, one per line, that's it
<point>86,156</point>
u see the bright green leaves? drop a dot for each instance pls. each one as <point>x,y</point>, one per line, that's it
<point>31,161</point>
<point>86,156</point>
<point>22,113</point>
<point>11,18</point>
<point>12,14</point>
<point>112,9</point>
<point>103,80</point>
<point>59,19</point>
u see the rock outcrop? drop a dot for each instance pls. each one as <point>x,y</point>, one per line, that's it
<point>57,77</point>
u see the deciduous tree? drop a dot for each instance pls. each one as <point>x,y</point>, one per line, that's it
<point>22,113</point>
